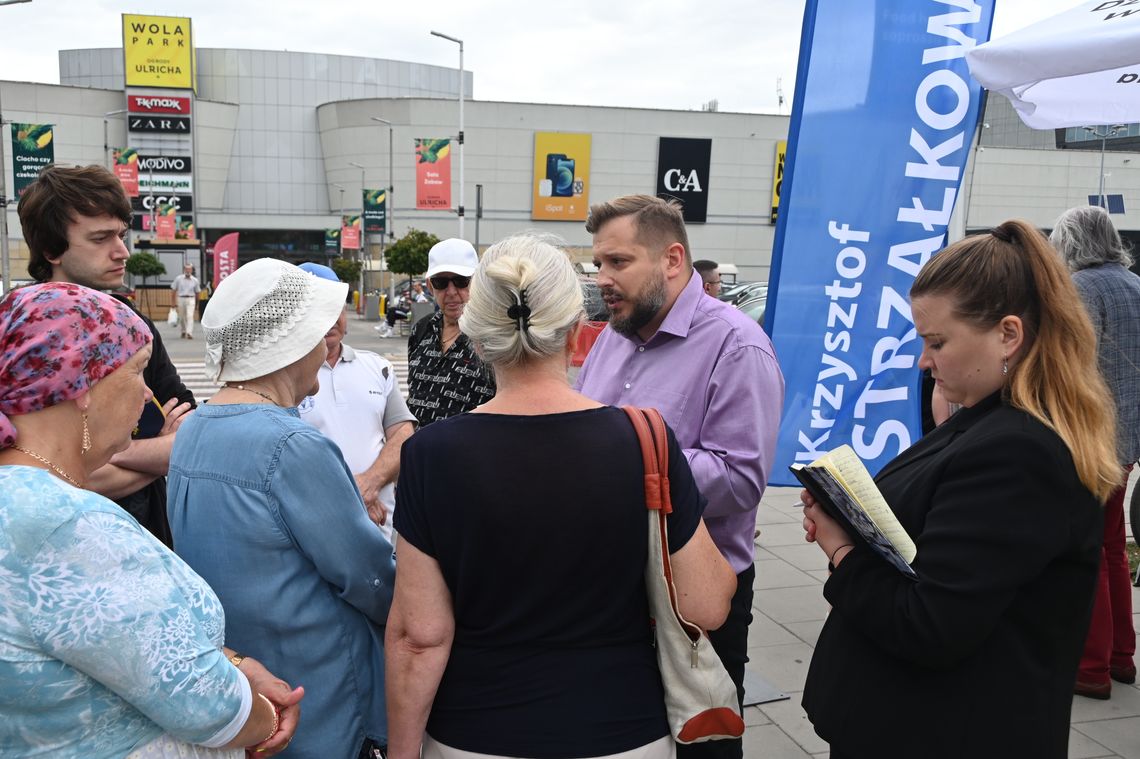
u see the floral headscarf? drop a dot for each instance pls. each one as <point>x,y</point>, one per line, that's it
<point>56,341</point>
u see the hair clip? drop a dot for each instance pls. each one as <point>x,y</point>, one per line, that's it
<point>520,311</point>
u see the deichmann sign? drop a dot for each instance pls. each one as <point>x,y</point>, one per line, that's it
<point>158,104</point>
<point>32,149</point>
<point>683,174</point>
<point>137,122</point>
<point>158,51</point>
<point>179,184</point>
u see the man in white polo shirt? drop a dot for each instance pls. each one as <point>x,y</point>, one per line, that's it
<point>360,408</point>
<point>186,288</point>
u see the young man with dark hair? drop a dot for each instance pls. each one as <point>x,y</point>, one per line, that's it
<point>711,372</point>
<point>76,222</point>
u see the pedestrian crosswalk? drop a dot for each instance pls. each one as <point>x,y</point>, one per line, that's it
<point>194,377</point>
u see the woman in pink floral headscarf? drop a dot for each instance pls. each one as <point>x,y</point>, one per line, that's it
<point>109,644</point>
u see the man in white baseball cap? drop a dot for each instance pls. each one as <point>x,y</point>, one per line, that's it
<point>445,376</point>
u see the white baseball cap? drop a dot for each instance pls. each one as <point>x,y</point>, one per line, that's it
<point>454,256</point>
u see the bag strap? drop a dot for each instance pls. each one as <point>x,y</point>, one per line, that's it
<point>651,435</point>
<point>650,429</point>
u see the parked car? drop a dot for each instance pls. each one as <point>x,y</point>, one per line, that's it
<point>755,306</point>
<point>742,291</point>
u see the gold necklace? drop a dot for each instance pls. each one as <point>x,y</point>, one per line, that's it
<point>54,468</point>
<point>255,392</point>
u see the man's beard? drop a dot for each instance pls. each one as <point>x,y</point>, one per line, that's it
<point>645,307</point>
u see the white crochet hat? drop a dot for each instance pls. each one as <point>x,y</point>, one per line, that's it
<point>265,316</point>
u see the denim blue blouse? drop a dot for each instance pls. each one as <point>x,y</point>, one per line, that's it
<point>263,506</point>
<point>107,639</point>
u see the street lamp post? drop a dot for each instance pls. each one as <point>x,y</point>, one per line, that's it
<point>390,211</point>
<point>360,248</point>
<point>106,146</point>
<point>1110,131</point>
<point>460,43</point>
<point>340,221</point>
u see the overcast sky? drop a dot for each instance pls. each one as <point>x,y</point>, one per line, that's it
<point>643,53</point>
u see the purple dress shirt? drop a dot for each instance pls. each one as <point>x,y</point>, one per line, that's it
<point>712,373</point>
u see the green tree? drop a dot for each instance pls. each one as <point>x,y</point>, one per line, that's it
<point>409,254</point>
<point>145,265</point>
<point>348,270</point>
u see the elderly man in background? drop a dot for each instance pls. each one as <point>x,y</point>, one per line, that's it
<point>186,288</point>
<point>360,408</point>
<point>445,376</point>
<point>1094,252</point>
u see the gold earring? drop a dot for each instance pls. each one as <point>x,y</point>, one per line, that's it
<point>86,435</point>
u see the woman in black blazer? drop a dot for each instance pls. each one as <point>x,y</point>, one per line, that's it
<point>977,656</point>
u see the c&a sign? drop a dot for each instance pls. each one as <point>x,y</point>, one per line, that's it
<point>683,174</point>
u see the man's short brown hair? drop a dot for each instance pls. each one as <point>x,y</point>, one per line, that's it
<point>658,222</point>
<point>55,199</point>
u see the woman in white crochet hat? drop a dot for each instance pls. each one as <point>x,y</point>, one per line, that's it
<point>264,508</point>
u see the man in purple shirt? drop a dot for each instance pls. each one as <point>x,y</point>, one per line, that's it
<point>708,368</point>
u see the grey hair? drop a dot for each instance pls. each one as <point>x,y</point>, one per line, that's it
<point>1085,237</point>
<point>527,267</point>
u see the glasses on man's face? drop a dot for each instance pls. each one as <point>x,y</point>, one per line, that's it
<point>441,282</point>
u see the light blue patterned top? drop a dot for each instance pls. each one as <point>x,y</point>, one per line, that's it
<point>107,639</point>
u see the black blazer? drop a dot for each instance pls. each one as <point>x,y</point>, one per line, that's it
<point>977,658</point>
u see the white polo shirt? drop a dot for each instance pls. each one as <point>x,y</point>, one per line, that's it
<point>359,398</point>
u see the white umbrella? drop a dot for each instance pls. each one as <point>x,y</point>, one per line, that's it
<point>1078,67</point>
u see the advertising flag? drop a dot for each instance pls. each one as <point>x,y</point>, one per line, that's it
<point>158,51</point>
<point>350,233</point>
<point>332,241</point>
<point>225,257</point>
<point>127,169</point>
<point>561,185</point>
<point>683,174</point>
<point>375,212</point>
<point>32,150</point>
<point>883,117</point>
<point>433,174</point>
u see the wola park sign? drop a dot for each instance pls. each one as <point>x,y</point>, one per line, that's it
<point>158,51</point>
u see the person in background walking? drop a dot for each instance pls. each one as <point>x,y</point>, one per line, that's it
<point>1094,252</point>
<point>186,288</point>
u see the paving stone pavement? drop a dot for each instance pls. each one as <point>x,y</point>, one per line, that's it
<point>789,611</point>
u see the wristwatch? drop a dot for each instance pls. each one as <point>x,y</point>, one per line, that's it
<point>237,659</point>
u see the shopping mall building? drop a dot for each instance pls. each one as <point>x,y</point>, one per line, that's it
<point>278,146</point>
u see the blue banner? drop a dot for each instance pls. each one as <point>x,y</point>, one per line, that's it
<point>882,124</point>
